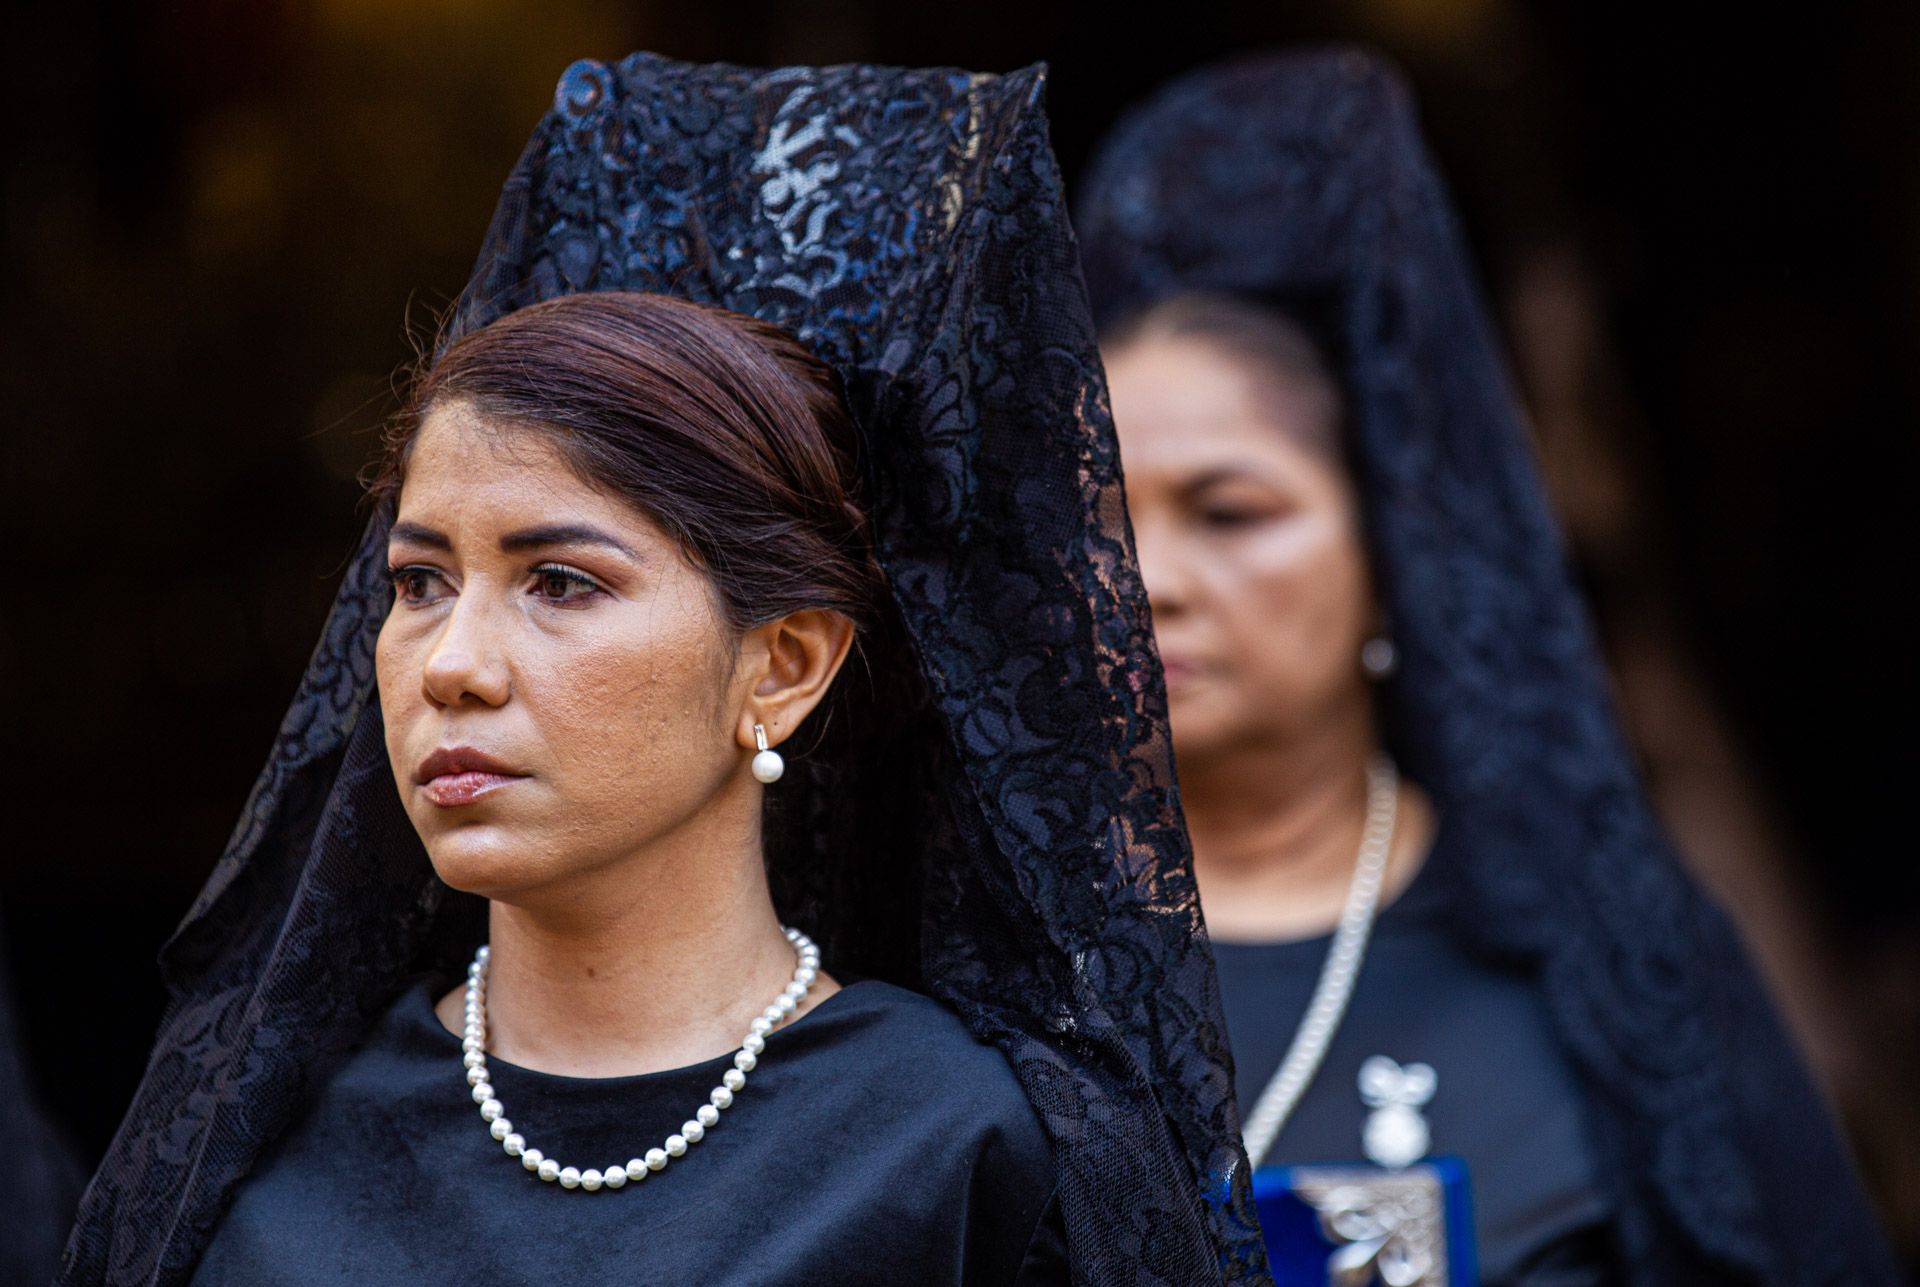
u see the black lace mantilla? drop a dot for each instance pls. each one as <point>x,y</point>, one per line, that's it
<point>1303,179</point>
<point>1005,789</point>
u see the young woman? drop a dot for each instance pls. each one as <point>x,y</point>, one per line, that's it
<point>725,834</point>
<point>1454,948</point>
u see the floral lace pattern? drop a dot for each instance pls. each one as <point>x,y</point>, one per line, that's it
<point>1010,734</point>
<point>1303,178</point>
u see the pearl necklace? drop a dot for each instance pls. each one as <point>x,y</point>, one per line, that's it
<point>692,1131</point>
<point>1338,974</point>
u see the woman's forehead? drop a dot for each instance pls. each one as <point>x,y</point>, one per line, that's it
<point>467,469</point>
<point>1184,407</point>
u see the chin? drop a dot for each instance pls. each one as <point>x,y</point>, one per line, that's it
<point>1200,727</point>
<point>488,862</point>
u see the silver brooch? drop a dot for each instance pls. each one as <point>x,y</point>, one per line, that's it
<point>1396,1134</point>
<point>1386,1227</point>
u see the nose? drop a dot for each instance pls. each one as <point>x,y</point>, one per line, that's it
<point>1163,570</point>
<point>466,661</point>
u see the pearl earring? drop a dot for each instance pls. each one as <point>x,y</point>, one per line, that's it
<point>1379,658</point>
<point>767,765</point>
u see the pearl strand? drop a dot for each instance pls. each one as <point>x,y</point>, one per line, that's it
<point>692,1131</point>
<point>1337,974</point>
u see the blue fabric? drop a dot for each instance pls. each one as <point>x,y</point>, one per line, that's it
<point>1302,180</point>
<point>874,1123</point>
<point>1298,1245</point>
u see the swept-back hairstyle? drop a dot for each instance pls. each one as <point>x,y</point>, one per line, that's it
<point>722,428</point>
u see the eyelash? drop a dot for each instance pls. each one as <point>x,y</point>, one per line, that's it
<point>398,577</point>
<point>1229,516</point>
<point>567,574</point>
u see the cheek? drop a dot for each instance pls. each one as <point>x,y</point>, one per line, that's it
<point>631,714</point>
<point>397,678</point>
<point>1299,605</point>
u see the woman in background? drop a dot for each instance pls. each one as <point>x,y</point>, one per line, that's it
<point>1452,940</point>
<point>803,597</point>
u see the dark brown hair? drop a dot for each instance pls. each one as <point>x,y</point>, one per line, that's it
<point>722,428</point>
<point>1271,340</point>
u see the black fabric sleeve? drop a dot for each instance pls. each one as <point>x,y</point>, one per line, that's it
<point>1045,1263</point>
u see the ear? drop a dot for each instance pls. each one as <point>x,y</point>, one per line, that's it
<point>788,665</point>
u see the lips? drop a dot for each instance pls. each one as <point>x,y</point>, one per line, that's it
<point>454,776</point>
<point>1179,671</point>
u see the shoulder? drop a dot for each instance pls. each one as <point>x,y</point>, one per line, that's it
<point>951,1152</point>
<point>904,1025</point>
<point>870,1003</point>
<point>912,1046</point>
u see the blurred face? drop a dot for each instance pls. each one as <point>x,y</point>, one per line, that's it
<point>555,675</point>
<point>1249,542</point>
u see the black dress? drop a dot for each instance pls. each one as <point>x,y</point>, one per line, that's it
<point>1507,1100</point>
<point>878,1142</point>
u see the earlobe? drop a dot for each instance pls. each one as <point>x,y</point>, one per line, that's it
<point>803,653</point>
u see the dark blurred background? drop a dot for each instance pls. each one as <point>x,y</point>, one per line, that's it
<point>224,220</point>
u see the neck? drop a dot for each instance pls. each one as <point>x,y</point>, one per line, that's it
<point>656,961</point>
<point>1276,828</point>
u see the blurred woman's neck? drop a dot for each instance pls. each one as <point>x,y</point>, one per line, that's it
<point>1276,827</point>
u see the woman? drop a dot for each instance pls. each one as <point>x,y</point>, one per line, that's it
<point>1488,978</point>
<point>705,597</point>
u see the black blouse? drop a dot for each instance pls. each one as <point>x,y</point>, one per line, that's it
<point>877,1142</point>
<point>1507,1101</point>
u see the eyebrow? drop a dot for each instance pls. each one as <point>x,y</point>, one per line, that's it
<point>528,538</point>
<point>415,534</point>
<point>534,538</point>
<point>1224,474</point>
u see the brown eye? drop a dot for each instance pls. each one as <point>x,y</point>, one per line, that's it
<point>1230,508</point>
<point>1229,516</point>
<point>563,585</point>
<point>412,584</point>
